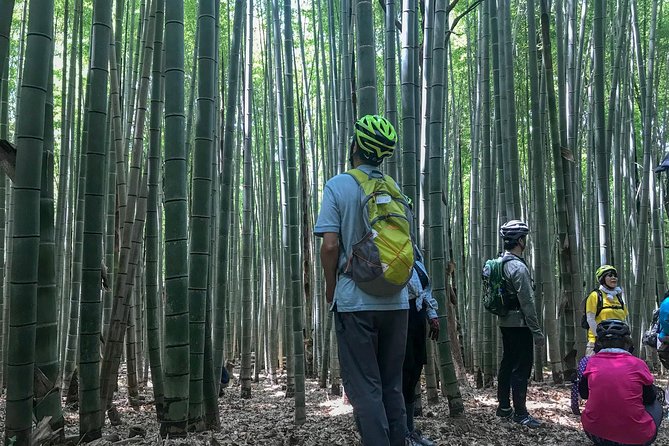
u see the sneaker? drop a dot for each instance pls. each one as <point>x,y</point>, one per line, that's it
<point>527,420</point>
<point>409,441</point>
<point>418,438</point>
<point>504,412</point>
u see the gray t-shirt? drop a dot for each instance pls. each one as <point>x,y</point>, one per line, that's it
<point>341,213</point>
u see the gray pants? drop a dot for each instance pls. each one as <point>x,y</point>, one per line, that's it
<point>371,354</point>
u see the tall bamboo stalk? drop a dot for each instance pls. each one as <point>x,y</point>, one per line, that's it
<point>291,155</point>
<point>26,237</point>
<point>227,151</point>
<point>438,266</point>
<point>200,217</point>
<point>152,243</point>
<point>176,229</point>
<point>247,238</point>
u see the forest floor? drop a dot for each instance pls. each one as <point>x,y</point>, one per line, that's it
<point>267,419</point>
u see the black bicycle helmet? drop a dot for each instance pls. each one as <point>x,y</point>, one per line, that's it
<point>611,329</point>
<point>513,230</point>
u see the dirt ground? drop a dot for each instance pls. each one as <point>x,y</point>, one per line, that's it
<point>267,419</point>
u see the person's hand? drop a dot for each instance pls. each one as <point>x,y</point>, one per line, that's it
<point>539,340</point>
<point>434,329</point>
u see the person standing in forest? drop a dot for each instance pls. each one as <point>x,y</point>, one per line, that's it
<point>604,302</point>
<point>663,332</point>
<point>371,330</point>
<point>422,307</point>
<point>520,328</point>
<point>662,342</point>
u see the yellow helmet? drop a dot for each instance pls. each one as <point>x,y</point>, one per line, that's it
<point>602,270</point>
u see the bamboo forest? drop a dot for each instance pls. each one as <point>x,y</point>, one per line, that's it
<point>164,164</point>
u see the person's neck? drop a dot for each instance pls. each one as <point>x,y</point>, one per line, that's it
<point>517,251</point>
<point>357,162</point>
<point>608,288</point>
<point>614,350</point>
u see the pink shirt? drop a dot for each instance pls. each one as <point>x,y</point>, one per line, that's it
<point>615,409</point>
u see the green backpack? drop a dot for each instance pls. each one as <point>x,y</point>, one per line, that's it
<point>496,298</point>
<point>382,261</point>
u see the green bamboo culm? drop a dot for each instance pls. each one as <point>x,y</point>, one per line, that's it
<point>247,210</point>
<point>110,228</point>
<point>293,224</point>
<point>4,113</point>
<point>225,202</point>
<point>90,322</point>
<point>26,237</point>
<point>366,58</point>
<point>200,242</point>
<point>130,218</point>
<point>437,264</point>
<point>408,132</point>
<point>390,83</point>
<point>66,188</point>
<point>152,231</point>
<point>47,367</point>
<point>284,271</point>
<point>210,382</point>
<point>177,346</point>
<point>6,10</point>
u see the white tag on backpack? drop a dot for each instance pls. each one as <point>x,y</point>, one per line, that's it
<point>383,199</point>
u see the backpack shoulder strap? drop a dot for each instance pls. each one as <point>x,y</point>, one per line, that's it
<point>392,185</point>
<point>510,257</point>
<point>358,175</point>
<point>504,260</point>
<point>600,301</point>
<point>620,301</point>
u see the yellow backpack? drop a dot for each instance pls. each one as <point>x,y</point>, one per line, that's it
<point>382,261</point>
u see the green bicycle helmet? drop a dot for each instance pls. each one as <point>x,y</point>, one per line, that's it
<point>375,137</point>
<point>602,270</point>
<point>409,201</point>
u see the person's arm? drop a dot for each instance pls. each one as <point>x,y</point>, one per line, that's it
<point>574,386</point>
<point>329,261</point>
<point>520,279</point>
<point>432,305</point>
<point>591,311</point>
<point>414,287</point>
<point>664,317</point>
<point>583,389</point>
<point>649,396</point>
<point>432,317</point>
<point>328,226</point>
<point>592,323</point>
